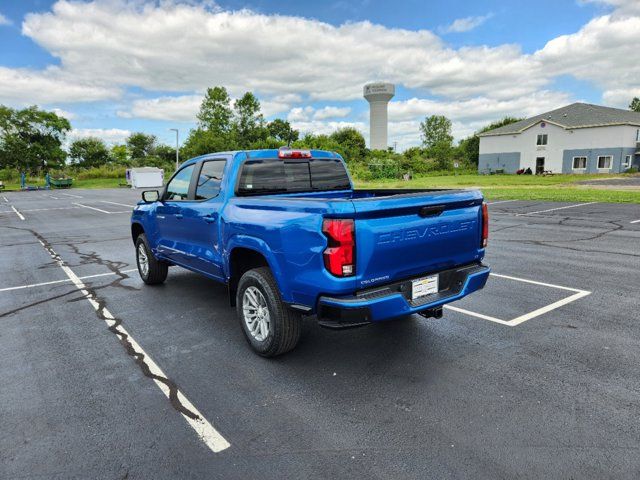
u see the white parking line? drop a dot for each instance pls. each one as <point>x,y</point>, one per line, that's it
<point>534,282</point>
<point>116,203</point>
<point>66,280</point>
<point>635,221</point>
<point>5,199</point>
<point>92,208</point>
<point>17,212</point>
<point>209,435</point>
<point>554,209</point>
<point>500,201</point>
<point>475,314</point>
<point>527,316</point>
<point>46,209</point>
<point>55,198</point>
<point>71,195</point>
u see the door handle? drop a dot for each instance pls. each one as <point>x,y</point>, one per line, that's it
<point>431,211</point>
<point>210,218</point>
<point>179,216</point>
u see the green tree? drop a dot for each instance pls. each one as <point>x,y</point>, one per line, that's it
<point>469,148</point>
<point>89,152</point>
<point>352,142</point>
<point>442,154</point>
<point>202,141</point>
<point>31,139</point>
<point>120,154</point>
<point>635,104</point>
<point>166,153</point>
<point>215,111</point>
<point>248,121</point>
<point>436,130</point>
<point>281,130</point>
<point>319,142</point>
<point>141,145</point>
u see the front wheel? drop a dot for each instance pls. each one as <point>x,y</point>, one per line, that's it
<point>152,271</point>
<point>269,326</point>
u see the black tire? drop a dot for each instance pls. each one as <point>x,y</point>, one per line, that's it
<point>157,270</point>
<point>284,325</point>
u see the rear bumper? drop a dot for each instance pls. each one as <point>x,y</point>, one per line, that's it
<point>394,300</point>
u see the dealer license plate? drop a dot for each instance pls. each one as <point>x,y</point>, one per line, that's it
<point>424,286</point>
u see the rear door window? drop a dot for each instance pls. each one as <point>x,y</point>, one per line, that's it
<point>209,179</point>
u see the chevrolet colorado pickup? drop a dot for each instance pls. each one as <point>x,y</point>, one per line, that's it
<point>289,235</point>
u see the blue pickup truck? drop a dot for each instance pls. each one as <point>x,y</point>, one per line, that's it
<point>289,235</point>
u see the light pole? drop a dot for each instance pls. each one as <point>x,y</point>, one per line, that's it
<point>177,149</point>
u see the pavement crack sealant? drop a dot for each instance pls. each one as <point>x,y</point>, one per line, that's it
<point>114,324</point>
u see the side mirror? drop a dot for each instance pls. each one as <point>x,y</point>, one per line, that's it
<point>150,196</point>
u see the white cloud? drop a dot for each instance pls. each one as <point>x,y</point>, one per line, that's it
<point>24,86</point>
<point>279,103</point>
<point>64,113</point>
<point>604,52</point>
<point>620,98</point>
<point>109,135</point>
<point>169,46</point>
<point>105,47</point>
<point>178,109</point>
<point>184,108</point>
<point>308,113</point>
<point>331,112</point>
<point>300,114</point>
<point>4,20</point>
<point>466,24</point>
<point>477,109</point>
<point>326,128</point>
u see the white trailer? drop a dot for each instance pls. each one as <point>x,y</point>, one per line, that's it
<point>145,177</point>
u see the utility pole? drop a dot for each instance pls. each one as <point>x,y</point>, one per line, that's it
<point>177,149</point>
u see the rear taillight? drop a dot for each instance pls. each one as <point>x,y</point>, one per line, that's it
<point>485,225</point>
<point>339,256</point>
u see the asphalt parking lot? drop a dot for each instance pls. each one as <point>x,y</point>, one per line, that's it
<point>534,377</point>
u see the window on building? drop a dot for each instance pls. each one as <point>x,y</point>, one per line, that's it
<point>627,161</point>
<point>579,163</point>
<point>542,139</point>
<point>638,135</point>
<point>604,162</point>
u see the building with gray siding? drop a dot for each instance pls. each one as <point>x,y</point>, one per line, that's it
<point>578,138</point>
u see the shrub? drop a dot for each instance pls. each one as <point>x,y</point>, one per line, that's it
<point>9,175</point>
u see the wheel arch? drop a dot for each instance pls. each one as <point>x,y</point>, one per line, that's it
<point>136,230</point>
<point>246,253</point>
<point>241,260</point>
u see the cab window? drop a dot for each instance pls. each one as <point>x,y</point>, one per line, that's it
<point>178,187</point>
<point>209,179</point>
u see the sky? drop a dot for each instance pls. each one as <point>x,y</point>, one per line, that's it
<point>117,66</point>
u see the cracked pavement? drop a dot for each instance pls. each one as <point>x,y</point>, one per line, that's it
<point>460,397</point>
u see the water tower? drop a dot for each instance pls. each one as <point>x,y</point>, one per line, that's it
<point>378,95</point>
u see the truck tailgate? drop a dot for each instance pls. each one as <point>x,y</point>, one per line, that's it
<point>402,236</point>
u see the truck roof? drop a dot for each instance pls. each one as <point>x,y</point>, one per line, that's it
<point>263,153</point>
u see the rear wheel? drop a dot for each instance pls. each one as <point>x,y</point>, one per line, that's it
<point>269,326</point>
<point>152,271</point>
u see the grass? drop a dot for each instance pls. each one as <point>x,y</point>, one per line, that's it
<point>557,188</point>
<point>84,183</point>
